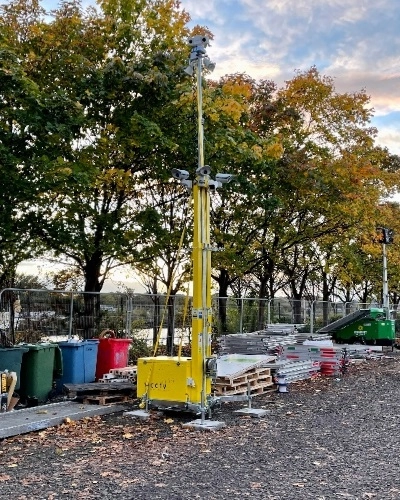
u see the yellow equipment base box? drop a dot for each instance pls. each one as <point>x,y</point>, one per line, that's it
<point>167,379</point>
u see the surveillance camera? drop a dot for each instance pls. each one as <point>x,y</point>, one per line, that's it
<point>182,175</point>
<point>196,40</point>
<point>214,185</point>
<point>224,178</point>
<point>208,64</point>
<point>205,170</point>
<point>187,184</point>
<point>189,70</point>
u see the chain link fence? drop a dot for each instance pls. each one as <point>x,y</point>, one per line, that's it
<point>30,315</point>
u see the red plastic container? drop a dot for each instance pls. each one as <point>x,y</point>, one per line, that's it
<point>111,353</point>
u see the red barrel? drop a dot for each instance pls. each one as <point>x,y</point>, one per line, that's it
<point>111,353</point>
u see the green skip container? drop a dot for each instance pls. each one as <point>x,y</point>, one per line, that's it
<point>11,360</point>
<point>41,365</point>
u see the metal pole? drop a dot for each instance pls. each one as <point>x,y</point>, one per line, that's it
<point>241,315</point>
<point>203,230</point>
<point>71,315</point>
<point>128,319</point>
<point>312,317</point>
<point>269,311</point>
<point>201,318</point>
<point>385,284</point>
<point>200,130</point>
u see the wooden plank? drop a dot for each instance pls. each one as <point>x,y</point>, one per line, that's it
<point>258,389</point>
<point>246,377</point>
<point>100,389</point>
<point>251,383</point>
<point>99,386</point>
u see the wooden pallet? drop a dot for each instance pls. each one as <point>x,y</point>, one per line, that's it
<point>105,400</point>
<point>248,376</point>
<point>255,380</point>
<point>96,389</point>
<point>221,385</point>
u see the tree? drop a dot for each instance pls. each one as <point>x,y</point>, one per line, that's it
<point>21,114</point>
<point>329,173</point>
<point>111,74</point>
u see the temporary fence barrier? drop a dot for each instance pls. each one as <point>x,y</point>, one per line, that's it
<point>29,315</point>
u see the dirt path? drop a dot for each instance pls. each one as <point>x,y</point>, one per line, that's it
<point>325,439</point>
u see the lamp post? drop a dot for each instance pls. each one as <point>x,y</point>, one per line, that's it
<point>385,287</point>
<point>386,238</point>
<point>201,252</point>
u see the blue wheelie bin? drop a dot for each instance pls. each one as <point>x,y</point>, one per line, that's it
<point>79,362</point>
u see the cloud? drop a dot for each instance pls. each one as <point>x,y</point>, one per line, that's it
<point>202,10</point>
<point>389,137</point>
<point>388,126</point>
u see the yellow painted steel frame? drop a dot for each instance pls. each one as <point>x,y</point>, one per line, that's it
<point>201,309</point>
<point>181,379</point>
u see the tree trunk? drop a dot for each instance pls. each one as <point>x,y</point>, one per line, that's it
<point>297,295</point>
<point>262,295</point>
<point>297,313</point>
<point>170,324</point>
<point>89,320</point>
<point>222,301</point>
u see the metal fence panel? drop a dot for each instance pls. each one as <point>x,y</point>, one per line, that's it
<point>29,315</point>
<point>33,315</point>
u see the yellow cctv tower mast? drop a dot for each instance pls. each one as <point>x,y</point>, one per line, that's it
<point>180,382</point>
<point>201,253</point>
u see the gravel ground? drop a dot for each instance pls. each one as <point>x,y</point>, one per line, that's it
<point>327,438</point>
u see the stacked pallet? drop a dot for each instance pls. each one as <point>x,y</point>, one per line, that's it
<point>101,393</point>
<point>247,343</point>
<point>126,374</point>
<point>253,381</point>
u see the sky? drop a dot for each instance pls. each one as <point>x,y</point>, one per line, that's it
<point>356,42</point>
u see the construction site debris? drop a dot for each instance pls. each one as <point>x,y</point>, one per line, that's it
<point>292,355</point>
<point>128,373</point>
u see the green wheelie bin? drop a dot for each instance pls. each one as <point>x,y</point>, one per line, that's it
<point>41,366</point>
